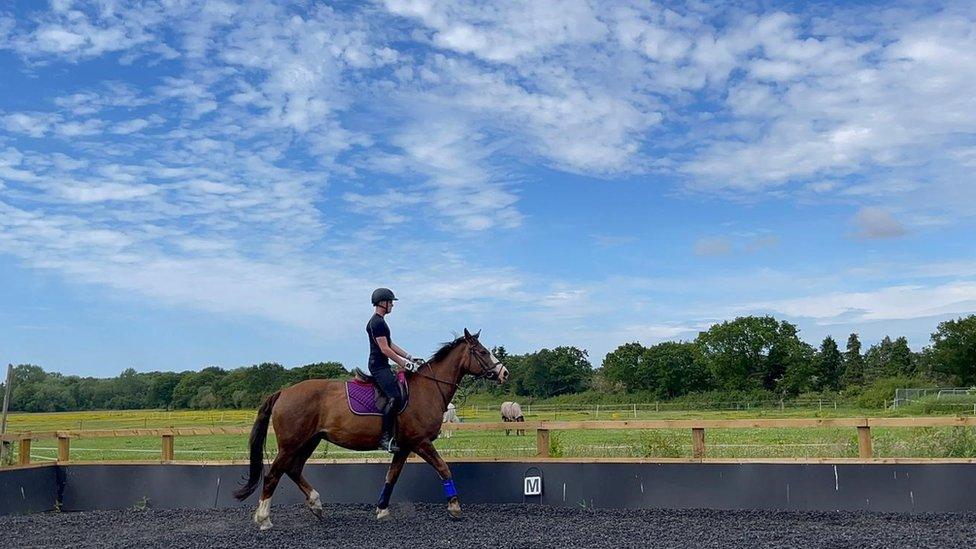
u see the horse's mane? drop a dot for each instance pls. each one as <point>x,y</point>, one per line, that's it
<point>445,349</point>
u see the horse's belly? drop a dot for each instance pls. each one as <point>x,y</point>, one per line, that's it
<point>359,441</point>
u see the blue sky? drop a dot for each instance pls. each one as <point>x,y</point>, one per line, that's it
<point>193,183</point>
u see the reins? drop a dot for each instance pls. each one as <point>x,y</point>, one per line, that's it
<point>485,372</point>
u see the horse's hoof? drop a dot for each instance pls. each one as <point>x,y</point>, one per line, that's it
<point>314,503</point>
<point>383,514</point>
<point>264,524</point>
<point>454,509</point>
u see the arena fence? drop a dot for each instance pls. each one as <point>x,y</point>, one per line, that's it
<point>696,427</point>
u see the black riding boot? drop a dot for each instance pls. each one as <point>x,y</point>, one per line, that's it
<point>387,441</point>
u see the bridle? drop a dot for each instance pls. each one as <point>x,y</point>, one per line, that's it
<point>488,371</point>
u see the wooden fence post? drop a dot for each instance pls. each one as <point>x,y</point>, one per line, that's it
<point>864,442</point>
<point>168,447</point>
<point>64,448</point>
<point>25,447</point>
<point>542,442</point>
<point>698,443</point>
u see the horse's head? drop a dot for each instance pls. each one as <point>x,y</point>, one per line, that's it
<point>480,362</point>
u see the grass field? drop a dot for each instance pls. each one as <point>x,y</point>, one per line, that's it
<point>729,443</point>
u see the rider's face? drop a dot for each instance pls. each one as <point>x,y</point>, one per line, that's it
<point>389,306</point>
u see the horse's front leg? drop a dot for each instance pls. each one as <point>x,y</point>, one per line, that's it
<point>383,505</point>
<point>429,454</point>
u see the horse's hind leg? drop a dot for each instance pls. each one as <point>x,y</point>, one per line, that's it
<point>312,498</point>
<point>383,505</point>
<point>262,516</point>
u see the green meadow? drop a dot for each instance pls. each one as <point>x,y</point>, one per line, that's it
<point>662,443</point>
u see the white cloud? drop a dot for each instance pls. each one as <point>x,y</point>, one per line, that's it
<point>713,246</point>
<point>81,32</point>
<point>505,33</point>
<point>873,222</point>
<point>881,105</point>
<point>462,187</point>
<point>130,126</point>
<point>80,128</point>
<point>84,192</point>
<point>392,206</point>
<point>889,303</point>
<point>57,40</point>
<point>271,123</point>
<point>34,124</point>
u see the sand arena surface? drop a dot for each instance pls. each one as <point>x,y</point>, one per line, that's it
<point>421,526</point>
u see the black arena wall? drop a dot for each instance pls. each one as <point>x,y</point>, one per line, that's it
<point>29,489</point>
<point>935,487</point>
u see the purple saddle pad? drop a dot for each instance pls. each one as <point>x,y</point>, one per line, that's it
<point>362,398</point>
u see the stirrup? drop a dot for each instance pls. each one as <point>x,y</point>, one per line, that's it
<point>389,444</point>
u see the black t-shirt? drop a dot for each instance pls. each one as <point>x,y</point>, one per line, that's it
<point>376,327</point>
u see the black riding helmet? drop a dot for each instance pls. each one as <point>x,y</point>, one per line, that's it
<point>383,294</point>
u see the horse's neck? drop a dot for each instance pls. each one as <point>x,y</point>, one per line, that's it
<point>449,370</point>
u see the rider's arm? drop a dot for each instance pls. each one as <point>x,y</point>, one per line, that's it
<point>384,344</point>
<point>399,350</point>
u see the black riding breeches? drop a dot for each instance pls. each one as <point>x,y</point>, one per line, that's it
<point>387,382</point>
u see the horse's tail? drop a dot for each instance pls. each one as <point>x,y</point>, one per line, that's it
<point>259,433</point>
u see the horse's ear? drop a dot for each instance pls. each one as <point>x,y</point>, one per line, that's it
<point>477,334</point>
<point>467,334</point>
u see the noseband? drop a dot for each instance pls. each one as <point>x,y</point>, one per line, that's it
<point>487,372</point>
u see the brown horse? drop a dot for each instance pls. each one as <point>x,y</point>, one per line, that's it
<point>317,409</point>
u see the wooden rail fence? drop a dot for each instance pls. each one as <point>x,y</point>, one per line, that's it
<point>542,428</point>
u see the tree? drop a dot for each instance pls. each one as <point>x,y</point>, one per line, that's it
<point>673,369</point>
<point>28,379</point>
<point>953,350</point>
<point>553,372</point>
<point>876,360</point>
<point>318,370</point>
<point>187,393</point>
<point>160,391</point>
<point>853,363</point>
<point>791,362</point>
<point>129,392</point>
<point>903,360</point>
<point>623,366</point>
<point>752,352</point>
<point>830,364</point>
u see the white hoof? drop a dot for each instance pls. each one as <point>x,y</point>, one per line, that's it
<point>454,508</point>
<point>315,504</point>
<point>262,517</point>
<point>383,514</point>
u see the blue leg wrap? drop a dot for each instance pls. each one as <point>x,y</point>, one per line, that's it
<point>449,490</point>
<point>384,500</point>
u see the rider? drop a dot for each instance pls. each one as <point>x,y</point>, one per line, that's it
<point>382,348</point>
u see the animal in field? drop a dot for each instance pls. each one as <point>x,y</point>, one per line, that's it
<point>322,409</point>
<point>450,416</point>
<point>512,412</point>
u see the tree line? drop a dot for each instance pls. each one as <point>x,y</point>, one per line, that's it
<point>756,353</point>
<point>751,354</point>
<point>35,390</point>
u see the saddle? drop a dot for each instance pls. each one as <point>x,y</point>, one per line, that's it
<point>365,397</point>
